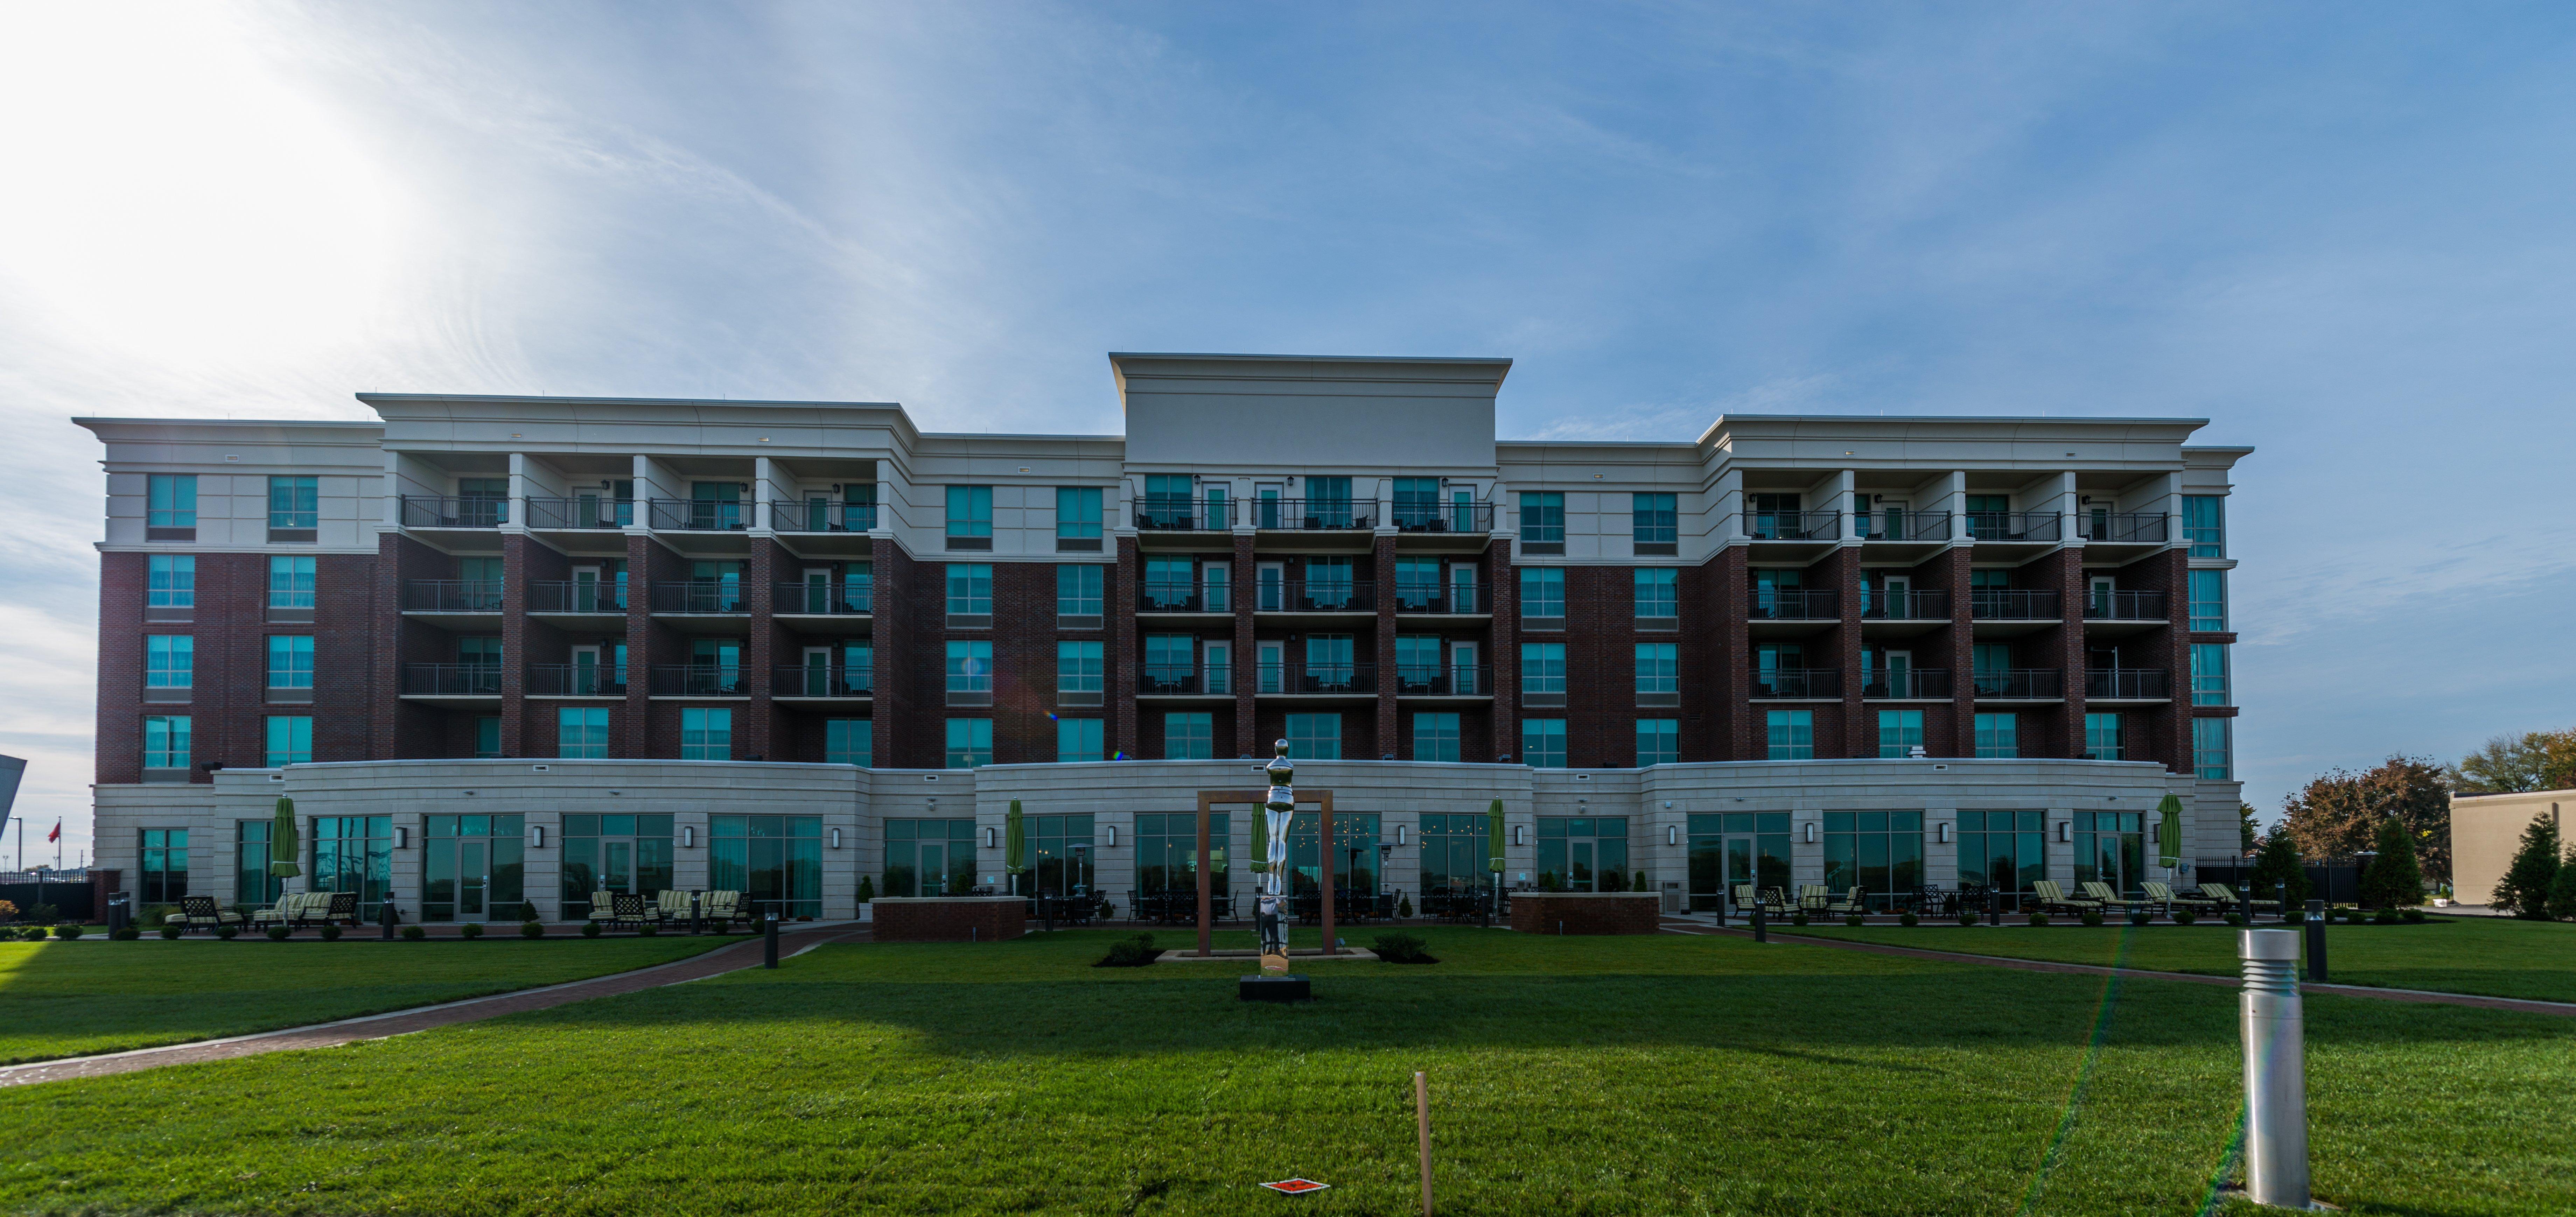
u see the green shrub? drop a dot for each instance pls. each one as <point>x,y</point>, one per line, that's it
<point>2277,864</point>
<point>2140,916</point>
<point>330,933</point>
<point>2185,916</point>
<point>590,929</point>
<point>1908,918</point>
<point>413,933</point>
<point>646,930</point>
<point>2236,919</point>
<point>1967,917</point>
<point>46,914</point>
<point>279,933</point>
<point>1852,919</point>
<point>867,888</point>
<point>1798,918</point>
<point>154,916</point>
<point>1134,952</point>
<point>125,934</point>
<point>2090,917</point>
<point>2562,893</point>
<point>2039,919</point>
<point>471,930</point>
<point>1401,948</point>
<point>2412,916</point>
<point>70,929</point>
<point>1404,907</point>
<point>532,929</point>
<point>2524,891</point>
<point>2393,879</point>
<point>2384,917</point>
<point>170,931</point>
<point>227,932</point>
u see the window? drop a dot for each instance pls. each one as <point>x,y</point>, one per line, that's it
<point>970,742</point>
<point>1745,847</point>
<point>2111,848</point>
<point>627,854</point>
<point>1080,739</point>
<point>1167,852</point>
<point>1583,853</point>
<point>1215,584</point>
<point>1879,852</point>
<point>165,865</point>
<point>253,851</point>
<point>1454,849</point>
<point>290,740</point>
<point>1169,585</point>
<point>2212,745</point>
<point>706,734</point>
<point>174,581</point>
<point>169,661</point>
<point>1659,673</point>
<point>1168,663</point>
<point>1077,514</point>
<point>1435,737</point>
<point>581,732</point>
<point>1080,668</point>
<point>1998,736</point>
<point>2204,525</point>
<point>2208,674</point>
<point>1078,591</point>
<point>1656,523</point>
<point>849,741</point>
<point>487,736</point>
<point>290,661</point>
<point>2101,737</point>
<point>970,517</point>
<point>1543,743</point>
<point>1315,737</point>
<point>970,666</point>
<point>294,502</point>
<point>1542,522</point>
<point>1189,736</point>
<point>1543,668</point>
<point>1900,732</point>
<point>970,589</point>
<point>1056,867</point>
<point>1659,741</point>
<point>1543,592</point>
<point>2209,600</point>
<point>859,506</point>
<point>1658,592</point>
<point>1417,584</point>
<point>170,501</point>
<point>1417,503</point>
<point>165,741</point>
<point>929,857</point>
<point>2001,850</point>
<point>354,854</point>
<point>290,581</point>
<point>473,868</point>
<point>1792,735</point>
<point>774,861</point>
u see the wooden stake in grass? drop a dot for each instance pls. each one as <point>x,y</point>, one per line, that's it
<point>1422,1127</point>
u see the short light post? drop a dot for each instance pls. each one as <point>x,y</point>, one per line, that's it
<point>2316,942</point>
<point>2270,1021</point>
<point>1761,927</point>
<point>769,940</point>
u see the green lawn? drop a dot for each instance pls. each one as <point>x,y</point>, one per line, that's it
<point>75,998</point>
<point>1649,1075</point>
<point>2486,955</point>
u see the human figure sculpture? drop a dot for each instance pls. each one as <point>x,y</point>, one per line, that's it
<point>1277,809</point>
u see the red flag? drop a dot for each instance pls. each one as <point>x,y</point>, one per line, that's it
<point>57,834</point>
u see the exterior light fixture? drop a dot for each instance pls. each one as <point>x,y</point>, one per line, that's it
<point>1399,834</point>
<point>1672,834</point>
<point>2065,831</point>
<point>1520,834</point>
<point>688,836</point>
<point>1945,832</point>
<point>402,837</point>
<point>1112,843</point>
<point>1811,832</point>
<point>537,836</point>
<point>836,838</point>
<point>991,837</point>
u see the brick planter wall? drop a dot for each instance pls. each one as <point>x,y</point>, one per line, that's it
<point>950,918</point>
<point>1583,912</point>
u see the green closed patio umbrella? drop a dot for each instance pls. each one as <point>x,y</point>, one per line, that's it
<point>2169,832</point>
<point>282,845</point>
<point>1494,837</point>
<point>1260,854</point>
<point>1015,841</point>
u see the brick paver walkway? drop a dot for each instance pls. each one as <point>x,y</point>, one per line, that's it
<point>744,953</point>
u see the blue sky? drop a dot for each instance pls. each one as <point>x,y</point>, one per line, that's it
<point>2340,232</point>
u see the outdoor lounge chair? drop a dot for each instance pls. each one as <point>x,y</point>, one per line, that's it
<point>629,910</point>
<point>2109,898</point>
<point>292,909</point>
<point>1850,903</point>
<point>341,908</point>
<point>2170,900</point>
<point>1813,897</point>
<point>2227,896</point>
<point>202,913</point>
<point>721,907</point>
<point>2053,898</point>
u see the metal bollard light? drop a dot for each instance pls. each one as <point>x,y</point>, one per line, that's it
<point>1761,928</point>
<point>2276,1073</point>
<point>2316,942</point>
<point>769,941</point>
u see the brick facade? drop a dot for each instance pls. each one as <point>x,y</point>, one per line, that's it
<point>1586,912</point>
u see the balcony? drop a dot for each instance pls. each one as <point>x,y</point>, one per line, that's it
<point>1891,525</point>
<point>822,598</point>
<point>1797,683</point>
<point>2125,606</point>
<point>2012,604</point>
<point>1453,598</point>
<point>1182,680</point>
<point>1444,680</point>
<point>1327,596</point>
<point>698,515</point>
<point>1932,605</point>
<point>2122,527</point>
<point>1913,684</point>
<point>1794,525</point>
<point>1795,604</point>
<point>817,680</point>
<point>451,680</point>
<point>1467,518</point>
<point>970,690</point>
<point>1167,596</point>
<point>698,680</point>
<point>452,511</point>
<point>715,596</point>
<point>592,597</point>
<point>1317,678</point>
<point>451,595</point>
<point>1166,513</point>
<point>2020,684</point>
<point>1312,515</point>
<point>575,680</point>
<point>821,515</point>
<point>2015,526</point>
<point>580,512</point>
<point>2128,684</point>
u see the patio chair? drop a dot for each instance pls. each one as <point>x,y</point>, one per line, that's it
<point>628,910</point>
<point>1850,903</point>
<point>290,909</point>
<point>2053,898</point>
<point>2166,898</point>
<point>603,907</point>
<point>2109,899</point>
<point>2225,895</point>
<point>202,913</point>
<point>1813,897</point>
<point>721,907</point>
<point>342,907</point>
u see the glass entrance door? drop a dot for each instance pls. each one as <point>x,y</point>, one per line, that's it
<point>472,868</point>
<point>473,878</point>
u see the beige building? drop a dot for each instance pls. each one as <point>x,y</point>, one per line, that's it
<point>2486,828</point>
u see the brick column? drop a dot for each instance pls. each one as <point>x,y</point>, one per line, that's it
<point>1502,592</point>
<point>1388,731</point>
<point>2065,571</point>
<point>1745,735</point>
<point>1121,590</point>
<point>767,564</point>
<point>1960,653</point>
<point>1247,673</point>
<point>1860,730</point>
<point>514,643</point>
<point>2165,733</point>
<point>630,731</point>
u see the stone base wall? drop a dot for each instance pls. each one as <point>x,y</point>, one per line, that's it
<point>1586,912</point>
<point>950,919</point>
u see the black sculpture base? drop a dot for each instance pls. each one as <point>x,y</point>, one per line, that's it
<point>1285,987</point>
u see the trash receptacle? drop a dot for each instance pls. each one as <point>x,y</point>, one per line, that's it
<point>1672,897</point>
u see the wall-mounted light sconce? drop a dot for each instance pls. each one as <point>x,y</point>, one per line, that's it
<point>1811,832</point>
<point>537,836</point>
<point>1112,842</point>
<point>1668,804</point>
<point>992,837</point>
<point>402,837</point>
<point>1672,834</point>
<point>1400,834</point>
<point>1520,834</point>
<point>1945,832</point>
<point>836,838</point>
<point>2065,831</point>
<point>689,836</point>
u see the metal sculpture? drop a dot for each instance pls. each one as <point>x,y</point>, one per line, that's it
<point>1276,810</point>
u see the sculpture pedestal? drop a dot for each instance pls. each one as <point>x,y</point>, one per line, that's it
<point>1287,987</point>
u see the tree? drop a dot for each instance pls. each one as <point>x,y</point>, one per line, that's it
<point>2562,891</point>
<point>2510,764</point>
<point>2524,890</point>
<point>2276,863</point>
<point>2393,880</point>
<point>2248,829</point>
<point>2337,814</point>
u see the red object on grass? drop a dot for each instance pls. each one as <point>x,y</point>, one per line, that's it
<point>1296,1187</point>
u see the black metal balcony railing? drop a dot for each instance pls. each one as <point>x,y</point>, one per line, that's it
<point>451,595</point>
<point>1892,525</point>
<point>821,515</point>
<point>583,511</point>
<point>1798,682</point>
<point>448,511</point>
<point>1927,605</point>
<point>1171,513</point>
<point>815,680</point>
<point>2015,526</point>
<point>1794,525</point>
<point>2122,527</point>
<point>1178,678</point>
<point>818,598</point>
<point>452,679</point>
<point>583,596</point>
<point>1438,598</point>
<point>697,597</point>
<point>1316,596</point>
<point>1795,604</point>
<point>1918,683</point>
<point>698,515</point>
<point>1312,514</point>
<point>698,680</point>
<point>2125,606</point>
<point>2012,604</point>
<point>2021,684</point>
<point>1168,596</point>
<point>2128,684</point>
<point>1408,516</point>
<point>1317,678</point>
<point>1444,680</point>
<point>575,680</point>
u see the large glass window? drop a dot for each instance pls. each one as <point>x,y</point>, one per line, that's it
<point>1454,849</point>
<point>290,740</point>
<point>1998,735</point>
<point>581,731</point>
<point>165,741</point>
<point>1900,732</point>
<point>1435,736</point>
<point>2101,737</point>
<point>849,741</point>
<point>1167,852</point>
<point>1078,590</point>
<point>2209,600</point>
<point>1542,521</point>
<point>169,661</point>
<point>174,581</point>
<point>1167,502</point>
<point>1583,853</point>
<point>1879,852</point>
<point>1543,742</point>
<point>487,736</point>
<point>1355,838</point>
<point>290,661</point>
<point>1735,847</point>
<point>1189,736</point>
<point>1656,523</point>
<point>706,734</point>
<point>253,885</point>
<point>1080,739</point>
<point>2001,850</point>
<point>1077,513</point>
<point>1792,735</point>
<point>1658,591</point>
<point>1316,737</point>
<point>1056,868</point>
<point>970,511</point>
<point>774,861</point>
<point>354,854</point>
<point>473,868</point>
<point>165,865</point>
<point>2111,848</point>
<point>621,853</point>
<point>970,742</point>
<point>970,588</point>
<point>1659,668</point>
<point>1543,667</point>
<point>970,666</point>
<point>2204,525</point>
<point>1080,667</point>
<point>1543,591</point>
<point>929,858</point>
<point>290,580</point>
<point>294,502</point>
<point>2213,748</point>
<point>1659,741</point>
<point>2209,674</point>
<point>171,500</point>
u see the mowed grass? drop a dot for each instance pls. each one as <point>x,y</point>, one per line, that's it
<point>2491,956</point>
<point>62,999</point>
<point>1653,1075</point>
